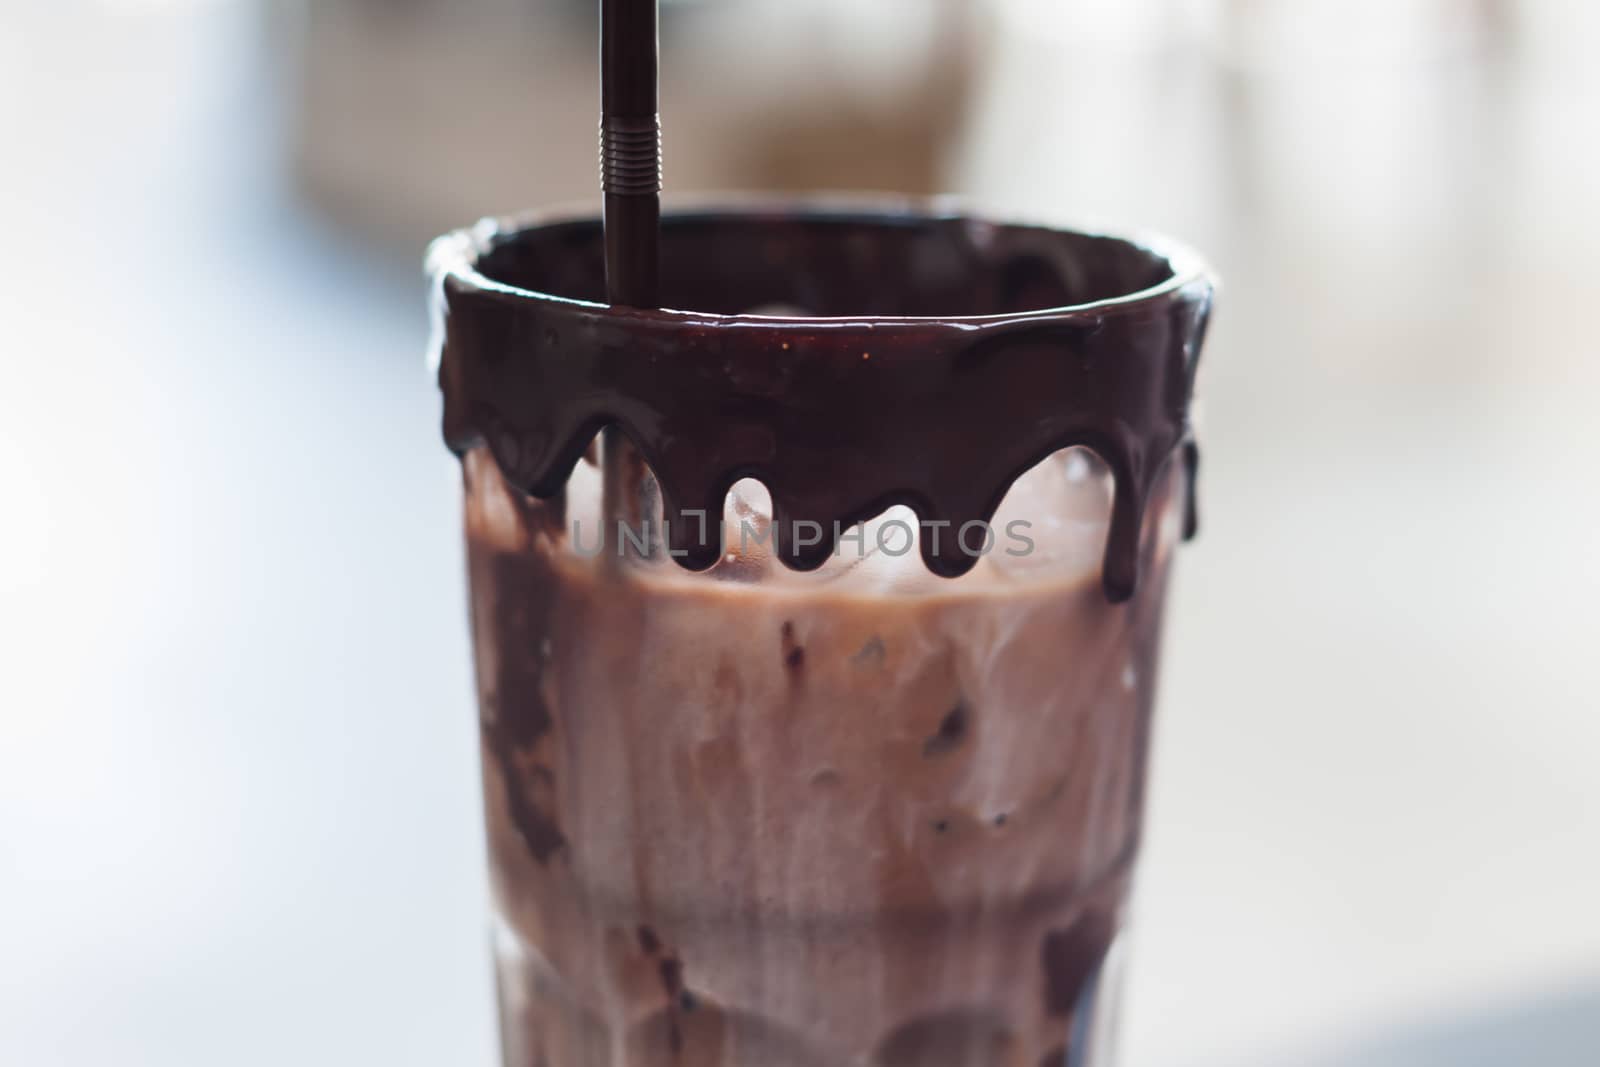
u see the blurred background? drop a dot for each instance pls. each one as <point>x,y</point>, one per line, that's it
<point>239,819</point>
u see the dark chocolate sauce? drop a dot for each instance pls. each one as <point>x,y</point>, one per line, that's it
<point>946,357</point>
<point>1070,958</point>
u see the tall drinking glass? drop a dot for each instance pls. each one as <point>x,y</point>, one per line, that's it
<point>815,700</point>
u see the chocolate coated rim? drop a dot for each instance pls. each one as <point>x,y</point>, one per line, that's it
<point>457,255</point>
<point>994,393</point>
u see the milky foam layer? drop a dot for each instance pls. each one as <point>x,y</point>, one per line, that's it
<point>1050,527</point>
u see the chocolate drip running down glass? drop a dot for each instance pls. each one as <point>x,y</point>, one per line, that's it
<point>766,787</point>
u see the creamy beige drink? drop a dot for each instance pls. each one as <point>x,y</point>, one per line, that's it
<point>753,818</point>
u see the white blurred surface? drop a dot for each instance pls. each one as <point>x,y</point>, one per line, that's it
<point>238,781</point>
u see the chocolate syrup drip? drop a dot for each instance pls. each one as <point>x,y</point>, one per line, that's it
<point>934,381</point>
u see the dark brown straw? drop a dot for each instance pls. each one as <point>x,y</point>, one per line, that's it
<point>630,149</point>
<point>630,178</point>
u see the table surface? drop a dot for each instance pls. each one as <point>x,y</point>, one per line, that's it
<point>238,782</point>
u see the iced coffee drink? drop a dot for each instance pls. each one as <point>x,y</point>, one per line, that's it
<point>814,723</point>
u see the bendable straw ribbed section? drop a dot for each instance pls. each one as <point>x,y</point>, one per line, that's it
<point>630,156</point>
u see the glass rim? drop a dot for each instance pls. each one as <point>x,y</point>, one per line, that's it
<point>458,255</point>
